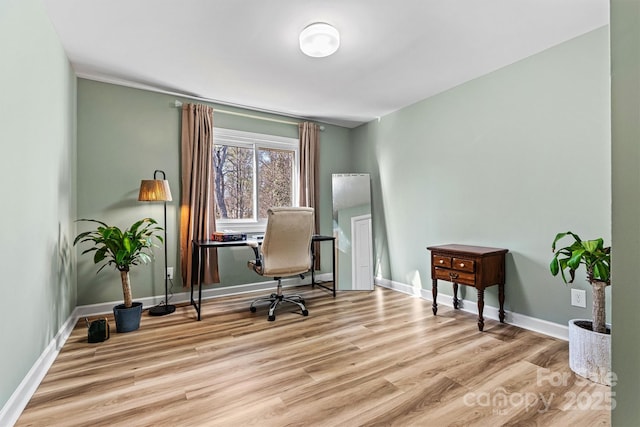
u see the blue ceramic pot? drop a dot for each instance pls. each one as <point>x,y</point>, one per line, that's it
<point>127,319</point>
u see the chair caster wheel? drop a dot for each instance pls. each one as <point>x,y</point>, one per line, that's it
<point>305,312</point>
<point>253,309</point>
<point>271,318</point>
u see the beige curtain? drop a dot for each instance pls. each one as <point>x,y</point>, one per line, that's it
<point>309,181</point>
<point>197,204</point>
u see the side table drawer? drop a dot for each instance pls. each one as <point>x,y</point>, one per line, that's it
<point>463,264</point>
<point>455,276</point>
<point>441,261</point>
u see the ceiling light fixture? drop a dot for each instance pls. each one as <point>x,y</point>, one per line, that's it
<point>319,40</point>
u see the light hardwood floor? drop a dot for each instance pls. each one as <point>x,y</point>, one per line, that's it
<point>363,358</point>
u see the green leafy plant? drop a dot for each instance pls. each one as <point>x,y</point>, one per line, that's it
<point>596,259</point>
<point>112,246</point>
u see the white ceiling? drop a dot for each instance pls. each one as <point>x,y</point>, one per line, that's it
<point>393,53</point>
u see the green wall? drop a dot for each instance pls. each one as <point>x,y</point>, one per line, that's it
<point>506,160</point>
<point>124,134</point>
<point>625,124</point>
<point>37,171</point>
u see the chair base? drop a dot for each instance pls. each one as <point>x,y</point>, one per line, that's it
<point>276,299</point>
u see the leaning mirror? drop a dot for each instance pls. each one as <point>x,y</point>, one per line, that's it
<point>352,229</point>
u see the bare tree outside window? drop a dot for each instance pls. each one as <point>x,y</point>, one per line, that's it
<point>252,174</point>
<point>274,179</point>
<point>233,182</point>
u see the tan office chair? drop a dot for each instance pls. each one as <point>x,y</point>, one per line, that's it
<point>285,252</point>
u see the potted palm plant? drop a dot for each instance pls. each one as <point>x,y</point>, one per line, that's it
<point>589,341</point>
<point>112,246</point>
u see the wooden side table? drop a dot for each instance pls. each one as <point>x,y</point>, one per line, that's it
<point>475,266</point>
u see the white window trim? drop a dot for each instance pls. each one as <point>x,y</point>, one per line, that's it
<point>253,140</point>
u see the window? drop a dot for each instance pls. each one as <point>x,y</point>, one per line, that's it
<point>253,172</point>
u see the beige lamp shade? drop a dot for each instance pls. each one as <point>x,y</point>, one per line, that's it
<point>154,190</point>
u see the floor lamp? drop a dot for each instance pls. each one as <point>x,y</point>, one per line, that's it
<point>157,190</point>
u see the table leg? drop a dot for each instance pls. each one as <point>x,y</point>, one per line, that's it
<point>195,270</point>
<point>434,294</point>
<point>480,309</point>
<point>191,286</point>
<point>200,278</point>
<point>456,301</point>
<point>333,265</point>
<point>501,300</point>
<point>313,265</point>
<point>197,251</point>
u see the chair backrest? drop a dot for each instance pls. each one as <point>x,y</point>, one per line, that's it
<point>287,242</point>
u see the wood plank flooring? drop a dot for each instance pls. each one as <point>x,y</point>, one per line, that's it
<point>363,358</point>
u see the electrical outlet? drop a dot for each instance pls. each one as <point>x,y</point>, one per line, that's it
<point>169,272</point>
<point>579,298</point>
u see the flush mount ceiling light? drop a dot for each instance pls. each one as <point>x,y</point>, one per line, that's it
<point>319,40</point>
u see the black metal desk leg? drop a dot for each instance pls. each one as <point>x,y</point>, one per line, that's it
<point>200,278</point>
<point>313,264</point>
<point>197,249</point>
<point>333,266</point>
<point>193,250</point>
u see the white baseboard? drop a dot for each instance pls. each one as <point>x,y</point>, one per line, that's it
<point>11,411</point>
<point>182,297</point>
<point>470,306</point>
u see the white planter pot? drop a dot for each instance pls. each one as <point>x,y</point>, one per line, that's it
<point>590,353</point>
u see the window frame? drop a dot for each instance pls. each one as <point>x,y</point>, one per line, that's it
<point>255,141</point>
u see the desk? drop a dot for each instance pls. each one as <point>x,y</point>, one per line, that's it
<point>475,266</point>
<point>200,246</point>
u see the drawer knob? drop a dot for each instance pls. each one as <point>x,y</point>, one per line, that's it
<point>462,264</point>
<point>453,275</point>
<point>441,261</point>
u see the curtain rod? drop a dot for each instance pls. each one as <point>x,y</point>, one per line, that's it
<point>178,104</point>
